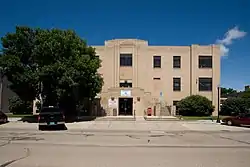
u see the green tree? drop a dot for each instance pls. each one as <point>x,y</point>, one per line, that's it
<point>51,62</point>
<point>234,106</point>
<point>227,91</point>
<point>195,105</point>
<point>18,61</point>
<point>245,94</point>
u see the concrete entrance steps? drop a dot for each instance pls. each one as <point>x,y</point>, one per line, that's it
<point>161,118</point>
<point>137,118</point>
<point>140,119</point>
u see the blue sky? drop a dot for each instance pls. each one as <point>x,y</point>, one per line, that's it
<point>169,22</point>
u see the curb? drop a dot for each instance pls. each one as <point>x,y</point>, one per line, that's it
<point>153,131</point>
<point>132,145</point>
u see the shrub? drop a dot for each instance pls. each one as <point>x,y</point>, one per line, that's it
<point>17,106</point>
<point>195,105</point>
<point>234,106</point>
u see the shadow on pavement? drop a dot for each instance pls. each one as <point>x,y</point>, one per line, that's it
<point>242,126</point>
<point>53,128</point>
<point>4,123</point>
<point>68,119</point>
<point>30,119</point>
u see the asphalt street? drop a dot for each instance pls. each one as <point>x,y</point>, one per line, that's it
<point>33,148</point>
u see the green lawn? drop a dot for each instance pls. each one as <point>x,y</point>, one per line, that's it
<point>10,115</point>
<point>193,118</point>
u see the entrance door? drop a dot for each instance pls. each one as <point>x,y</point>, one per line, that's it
<point>125,106</point>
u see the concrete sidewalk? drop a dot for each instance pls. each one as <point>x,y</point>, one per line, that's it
<point>133,126</point>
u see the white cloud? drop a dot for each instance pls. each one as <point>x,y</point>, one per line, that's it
<point>228,39</point>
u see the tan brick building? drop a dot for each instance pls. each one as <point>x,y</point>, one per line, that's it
<point>138,76</point>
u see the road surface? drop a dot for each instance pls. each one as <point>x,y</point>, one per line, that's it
<point>32,148</point>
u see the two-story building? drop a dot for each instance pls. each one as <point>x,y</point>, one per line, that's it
<point>138,76</point>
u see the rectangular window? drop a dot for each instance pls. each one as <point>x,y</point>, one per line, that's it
<point>205,84</point>
<point>157,62</point>
<point>126,60</point>
<point>157,78</point>
<point>177,62</point>
<point>125,84</point>
<point>205,62</point>
<point>97,56</point>
<point>176,84</point>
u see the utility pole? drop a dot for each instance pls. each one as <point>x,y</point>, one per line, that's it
<point>1,90</point>
<point>1,87</point>
<point>218,105</point>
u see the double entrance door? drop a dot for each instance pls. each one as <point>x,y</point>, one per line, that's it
<point>125,106</point>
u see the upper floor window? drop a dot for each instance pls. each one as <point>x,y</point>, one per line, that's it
<point>157,62</point>
<point>205,62</point>
<point>205,84</point>
<point>125,59</point>
<point>176,84</point>
<point>177,62</point>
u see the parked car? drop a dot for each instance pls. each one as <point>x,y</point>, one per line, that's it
<point>51,116</point>
<point>237,120</point>
<point>3,118</point>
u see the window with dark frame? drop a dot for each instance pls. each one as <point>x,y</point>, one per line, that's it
<point>205,84</point>
<point>126,84</point>
<point>157,78</point>
<point>176,61</point>
<point>157,62</point>
<point>205,62</point>
<point>126,60</point>
<point>176,84</point>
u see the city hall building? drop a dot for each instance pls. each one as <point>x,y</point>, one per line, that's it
<point>139,77</point>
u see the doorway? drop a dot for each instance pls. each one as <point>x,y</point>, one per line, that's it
<point>125,106</point>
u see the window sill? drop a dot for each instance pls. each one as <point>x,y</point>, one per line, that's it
<point>205,67</point>
<point>205,91</point>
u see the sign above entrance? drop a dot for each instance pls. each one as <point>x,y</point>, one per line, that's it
<point>126,93</point>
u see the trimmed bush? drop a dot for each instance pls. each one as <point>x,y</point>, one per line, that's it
<point>195,105</point>
<point>235,106</point>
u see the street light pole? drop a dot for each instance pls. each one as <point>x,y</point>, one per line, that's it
<point>218,105</point>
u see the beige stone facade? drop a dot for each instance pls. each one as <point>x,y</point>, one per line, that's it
<point>155,76</point>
